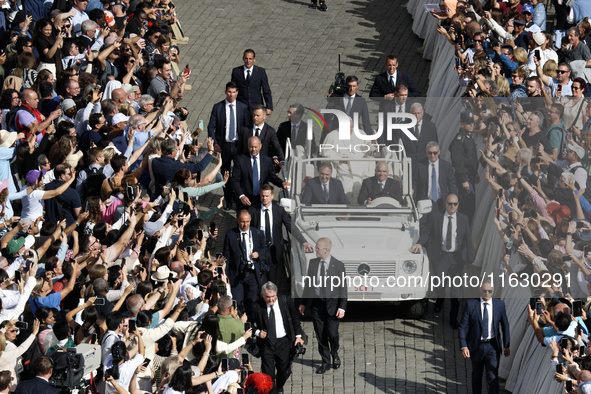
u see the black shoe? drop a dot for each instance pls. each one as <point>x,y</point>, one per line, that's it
<point>454,324</point>
<point>336,362</point>
<point>313,4</point>
<point>279,391</point>
<point>323,6</point>
<point>323,368</point>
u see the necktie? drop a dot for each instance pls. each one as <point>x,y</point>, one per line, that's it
<point>322,276</point>
<point>268,237</point>
<point>293,134</point>
<point>399,108</point>
<point>417,131</point>
<point>349,105</point>
<point>244,251</point>
<point>381,186</point>
<point>448,236</point>
<point>272,330</point>
<point>392,82</point>
<point>248,76</point>
<point>485,322</point>
<point>232,124</point>
<point>258,132</point>
<point>256,187</point>
<point>325,190</point>
<point>434,195</point>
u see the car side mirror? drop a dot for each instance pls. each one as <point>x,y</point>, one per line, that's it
<point>425,206</point>
<point>287,204</point>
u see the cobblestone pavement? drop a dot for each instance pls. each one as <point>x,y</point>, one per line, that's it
<point>298,46</point>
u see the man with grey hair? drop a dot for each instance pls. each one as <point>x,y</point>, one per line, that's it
<point>145,104</point>
<point>435,180</point>
<point>276,325</point>
<point>424,131</point>
<point>101,288</point>
<point>87,37</point>
<point>231,328</point>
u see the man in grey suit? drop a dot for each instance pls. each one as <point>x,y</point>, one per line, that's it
<point>425,131</point>
<point>448,239</point>
<point>324,189</point>
<point>437,172</point>
<point>379,185</point>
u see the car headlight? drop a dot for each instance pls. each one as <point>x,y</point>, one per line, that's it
<point>409,266</point>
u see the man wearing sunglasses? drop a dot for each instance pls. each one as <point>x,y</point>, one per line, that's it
<point>480,337</point>
<point>449,241</point>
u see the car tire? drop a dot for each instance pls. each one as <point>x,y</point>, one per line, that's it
<point>416,309</point>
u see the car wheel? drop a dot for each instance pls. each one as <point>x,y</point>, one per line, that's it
<point>416,309</point>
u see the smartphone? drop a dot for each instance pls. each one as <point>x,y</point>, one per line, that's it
<point>93,338</point>
<point>559,368</point>
<point>510,217</point>
<point>245,359</point>
<point>99,301</point>
<point>566,258</point>
<point>234,304</point>
<point>86,207</point>
<point>62,215</point>
<point>21,324</point>
<point>131,325</point>
<point>458,62</point>
<point>172,278</point>
<point>564,343</point>
<point>146,362</point>
<point>212,227</point>
<point>539,307</point>
<point>240,391</point>
<point>247,326</point>
<point>17,276</point>
<point>219,269</point>
<point>582,351</point>
<point>200,235</point>
<point>580,224</point>
<point>188,267</point>
<point>578,308</point>
<point>535,160</point>
<point>225,364</point>
<point>569,386</point>
<point>208,293</point>
<point>500,193</point>
<point>538,55</point>
<point>187,69</point>
<point>533,213</point>
<point>189,250</point>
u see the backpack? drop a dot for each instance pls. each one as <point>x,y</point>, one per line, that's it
<point>563,133</point>
<point>91,187</point>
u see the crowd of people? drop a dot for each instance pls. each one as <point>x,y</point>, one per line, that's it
<point>526,99</point>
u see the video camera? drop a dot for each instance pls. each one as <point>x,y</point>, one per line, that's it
<point>339,87</point>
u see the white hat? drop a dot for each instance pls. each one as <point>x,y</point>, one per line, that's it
<point>162,274</point>
<point>118,118</point>
<point>7,138</point>
<point>129,88</point>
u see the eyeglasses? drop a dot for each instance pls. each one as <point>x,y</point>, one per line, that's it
<point>13,330</point>
<point>562,71</point>
<point>576,88</point>
<point>432,153</point>
<point>67,26</point>
<point>453,204</point>
<point>486,291</point>
<point>478,40</point>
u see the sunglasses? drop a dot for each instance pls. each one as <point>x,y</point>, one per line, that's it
<point>562,71</point>
<point>432,153</point>
<point>452,203</point>
<point>486,291</point>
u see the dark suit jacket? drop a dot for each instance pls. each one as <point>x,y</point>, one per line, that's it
<point>432,237</point>
<point>313,193</point>
<point>216,128</point>
<point>269,141</point>
<point>359,106</point>
<point>253,93</point>
<point>335,298</point>
<point>242,175</point>
<point>381,85</point>
<point>289,314</point>
<point>470,330</point>
<point>370,188</point>
<point>233,252</point>
<point>416,150</point>
<point>280,219</point>
<point>447,180</point>
<point>35,386</point>
<point>284,132</point>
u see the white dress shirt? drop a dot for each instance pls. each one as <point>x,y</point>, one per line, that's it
<point>263,225</point>
<point>228,120</point>
<point>393,76</point>
<point>258,164</point>
<point>346,98</point>
<point>490,316</point>
<point>454,231</point>
<point>279,328</point>
<point>248,241</point>
<point>430,173</point>
<point>248,69</point>
<point>255,127</point>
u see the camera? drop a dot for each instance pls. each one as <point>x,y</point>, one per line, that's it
<point>339,86</point>
<point>299,350</point>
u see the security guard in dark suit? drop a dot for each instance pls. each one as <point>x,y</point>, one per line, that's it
<point>465,163</point>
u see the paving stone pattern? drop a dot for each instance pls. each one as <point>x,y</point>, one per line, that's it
<point>298,46</point>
